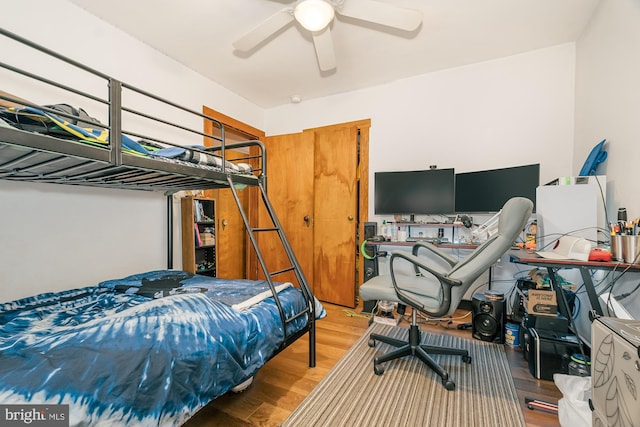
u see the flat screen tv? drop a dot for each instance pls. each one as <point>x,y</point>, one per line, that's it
<point>486,191</point>
<point>426,192</point>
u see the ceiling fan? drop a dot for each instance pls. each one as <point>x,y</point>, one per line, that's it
<point>316,17</point>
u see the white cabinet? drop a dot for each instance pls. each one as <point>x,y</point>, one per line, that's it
<point>615,372</point>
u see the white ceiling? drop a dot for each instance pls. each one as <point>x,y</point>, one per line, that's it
<point>199,34</point>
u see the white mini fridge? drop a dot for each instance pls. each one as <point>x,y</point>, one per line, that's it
<point>573,206</point>
<point>615,372</point>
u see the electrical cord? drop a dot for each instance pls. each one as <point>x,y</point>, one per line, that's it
<point>446,322</point>
<point>555,236</point>
<point>351,313</point>
<point>628,294</point>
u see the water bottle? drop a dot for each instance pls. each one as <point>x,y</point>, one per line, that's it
<point>383,229</point>
<point>394,234</point>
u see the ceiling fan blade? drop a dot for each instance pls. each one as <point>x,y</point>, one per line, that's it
<point>382,13</point>
<point>265,29</point>
<point>324,49</point>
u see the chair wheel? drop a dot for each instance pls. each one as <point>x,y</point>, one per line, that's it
<point>372,342</point>
<point>466,359</point>
<point>448,384</point>
<point>378,369</point>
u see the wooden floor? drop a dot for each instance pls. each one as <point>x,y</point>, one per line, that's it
<point>285,380</point>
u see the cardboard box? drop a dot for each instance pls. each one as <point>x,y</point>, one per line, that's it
<point>542,303</point>
<point>207,239</point>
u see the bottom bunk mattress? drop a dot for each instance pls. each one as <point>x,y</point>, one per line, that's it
<point>148,349</point>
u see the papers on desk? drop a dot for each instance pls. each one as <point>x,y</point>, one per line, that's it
<point>569,247</point>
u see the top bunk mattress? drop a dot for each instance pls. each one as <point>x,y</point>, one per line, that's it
<point>139,140</point>
<point>37,145</point>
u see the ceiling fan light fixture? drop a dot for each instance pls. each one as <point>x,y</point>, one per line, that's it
<point>314,15</point>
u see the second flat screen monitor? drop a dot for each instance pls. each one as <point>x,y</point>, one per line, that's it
<point>488,190</point>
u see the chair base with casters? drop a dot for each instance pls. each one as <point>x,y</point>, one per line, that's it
<point>412,347</point>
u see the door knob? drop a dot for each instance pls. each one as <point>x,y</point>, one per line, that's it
<point>224,223</point>
<point>307,220</point>
<point>350,217</point>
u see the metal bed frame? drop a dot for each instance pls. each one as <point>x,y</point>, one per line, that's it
<point>42,158</point>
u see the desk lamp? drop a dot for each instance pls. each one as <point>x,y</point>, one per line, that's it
<point>487,228</point>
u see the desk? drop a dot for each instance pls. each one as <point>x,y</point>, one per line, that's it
<point>521,256</point>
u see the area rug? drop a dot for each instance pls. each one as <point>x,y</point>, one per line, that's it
<point>410,394</point>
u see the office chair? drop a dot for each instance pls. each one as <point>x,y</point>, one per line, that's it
<point>438,285</point>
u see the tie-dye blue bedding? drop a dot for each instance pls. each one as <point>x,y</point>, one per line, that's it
<point>120,358</point>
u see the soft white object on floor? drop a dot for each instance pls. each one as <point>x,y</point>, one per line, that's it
<point>573,407</point>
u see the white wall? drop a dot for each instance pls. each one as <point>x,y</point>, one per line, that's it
<point>60,237</point>
<point>608,99</point>
<point>57,237</point>
<point>507,112</point>
<point>608,106</point>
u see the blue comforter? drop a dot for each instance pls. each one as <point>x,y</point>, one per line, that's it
<point>121,358</point>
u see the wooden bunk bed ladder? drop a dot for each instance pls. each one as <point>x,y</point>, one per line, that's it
<point>294,266</point>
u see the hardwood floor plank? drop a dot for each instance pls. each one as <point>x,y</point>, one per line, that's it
<point>280,386</point>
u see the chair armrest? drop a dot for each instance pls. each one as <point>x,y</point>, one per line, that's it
<point>435,250</point>
<point>446,283</point>
<point>419,262</point>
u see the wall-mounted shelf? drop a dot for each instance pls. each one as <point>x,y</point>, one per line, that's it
<point>444,226</point>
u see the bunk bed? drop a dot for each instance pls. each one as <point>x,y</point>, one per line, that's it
<point>155,347</point>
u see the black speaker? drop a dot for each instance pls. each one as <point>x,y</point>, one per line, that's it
<point>370,271</point>
<point>370,262</point>
<point>489,318</point>
<point>370,230</point>
<point>370,252</point>
<point>370,265</point>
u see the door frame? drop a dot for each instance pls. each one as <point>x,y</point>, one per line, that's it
<point>250,132</point>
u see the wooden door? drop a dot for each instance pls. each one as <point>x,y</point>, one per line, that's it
<point>314,175</point>
<point>290,189</point>
<point>335,214</point>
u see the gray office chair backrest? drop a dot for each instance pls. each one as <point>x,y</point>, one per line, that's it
<point>513,217</point>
